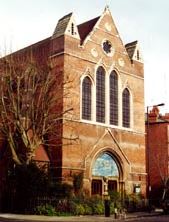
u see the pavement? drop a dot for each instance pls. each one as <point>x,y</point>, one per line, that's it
<point>95,218</point>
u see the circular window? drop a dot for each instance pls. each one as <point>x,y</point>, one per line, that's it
<point>107,47</point>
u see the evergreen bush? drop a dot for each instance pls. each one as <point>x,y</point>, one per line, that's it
<point>47,210</point>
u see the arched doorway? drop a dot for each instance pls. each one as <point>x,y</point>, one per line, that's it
<point>105,165</point>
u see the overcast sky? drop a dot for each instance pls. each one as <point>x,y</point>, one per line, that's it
<point>25,22</point>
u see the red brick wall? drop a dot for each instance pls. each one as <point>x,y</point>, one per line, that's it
<point>94,138</point>
<point>157,147</point>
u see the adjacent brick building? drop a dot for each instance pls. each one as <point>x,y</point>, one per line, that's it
<point>157,139</point>
<point>107,97</point>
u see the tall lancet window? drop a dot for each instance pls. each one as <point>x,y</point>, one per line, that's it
<point>113,83</point>
<point>126,108</point>
<point>86,98</point>
<point>100,95</point>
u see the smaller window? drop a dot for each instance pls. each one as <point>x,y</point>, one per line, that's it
<point>96,187</point>
<point>86,98</point>
<point>126,108</point>
<point>72,29</point>
<point>113,89</point>
<point>138,55</point>
<point>100,95</point>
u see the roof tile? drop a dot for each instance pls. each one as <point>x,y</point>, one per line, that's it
<point>86,27</point>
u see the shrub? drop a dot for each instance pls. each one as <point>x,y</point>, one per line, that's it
<point>72,206</point>
<point>64,214</point>
<point>134,202</point>
<point>45,210</point>
<point>79,209</point>
<point>98,208</point>
<point>63,206</point>
<point>114,196</point>
<point>88,209</point>
<point>97,205</point>
<point>115,199</point>
<point>91,205</point>
<point>76,206</point>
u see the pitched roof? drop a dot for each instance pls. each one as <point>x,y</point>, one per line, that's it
<point>86,27</point>
<point>131,44</point>
<point>130,47</point>
<point>62,25</point>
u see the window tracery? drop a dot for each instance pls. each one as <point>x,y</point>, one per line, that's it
<point>113,89</point>
<point>126,108</point>
<point>86,98</point>
<point>100,95</point>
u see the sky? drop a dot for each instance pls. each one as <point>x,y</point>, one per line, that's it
<point>25,22</point>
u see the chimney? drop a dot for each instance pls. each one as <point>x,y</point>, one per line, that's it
<point>154,114</point>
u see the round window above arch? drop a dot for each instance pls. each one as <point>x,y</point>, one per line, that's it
<point>108,48</point>
<point>105,166</point>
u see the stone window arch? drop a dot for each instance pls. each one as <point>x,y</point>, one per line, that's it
<point>126,108</point>
<point>86,98</point>
<point>100,95</point>
<point>113,94</point>
<point>105,168</point>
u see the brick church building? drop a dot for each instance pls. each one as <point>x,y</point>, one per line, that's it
<point>107,97</point>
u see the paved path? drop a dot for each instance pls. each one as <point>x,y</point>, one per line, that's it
<point>102,218</point>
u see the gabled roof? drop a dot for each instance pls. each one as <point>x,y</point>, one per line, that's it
<point>130,47</point>
<point>62,25</point>
<point>134,51</point>
<point>86,27</point>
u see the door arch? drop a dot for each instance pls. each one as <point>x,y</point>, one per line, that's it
<point>105,165</point>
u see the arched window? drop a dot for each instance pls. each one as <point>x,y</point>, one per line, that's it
<point>113,84</point>
<point>126,108</point>
<point>86,98</point>
<point>106,166</point>
<point>100,95</point>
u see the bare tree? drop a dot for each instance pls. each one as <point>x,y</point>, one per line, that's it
<point>160,166</point>
<point>31,105</point>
